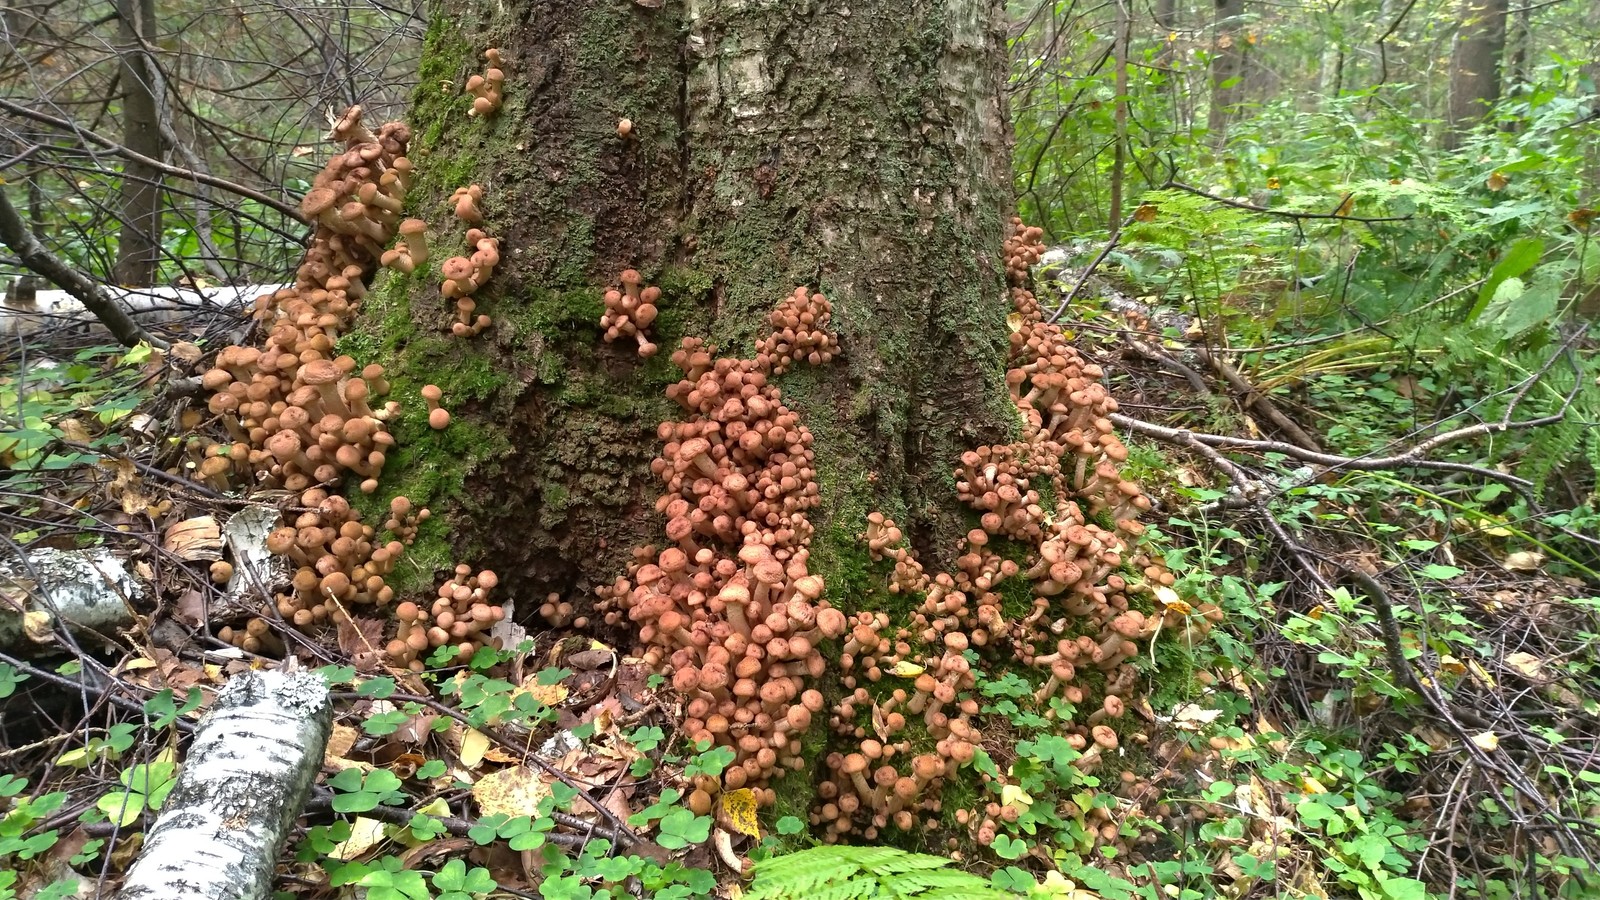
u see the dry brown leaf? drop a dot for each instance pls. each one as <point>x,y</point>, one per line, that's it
<point>126,486</point>
<point>359,637</point>
<point>190,608</point>
<point>194,540</point>
<point>1523,561</point>
<point>416,729</point>
<point>340,742</point>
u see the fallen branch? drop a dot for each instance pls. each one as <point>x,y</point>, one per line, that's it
<point>1287,213</point>
<point>1411,459</point>
<point>1252,397</point>
<point>14,233</point>
<point>248,773</point>
<point>85,590</point>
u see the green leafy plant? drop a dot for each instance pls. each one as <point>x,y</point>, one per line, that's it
<point>838,873</point>
<point>144,786</point>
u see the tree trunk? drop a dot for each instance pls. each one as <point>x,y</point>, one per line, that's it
<point>1227,66</point>
<point>1589,79</point>
<point>242,785</point>
<point>858,152</point>
<point>139,245</point>
<point>1119,116</point>
<point>1519,49</point>
<point>1475,66</point>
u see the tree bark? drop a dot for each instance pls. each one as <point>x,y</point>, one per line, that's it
<point>139,244</point>
<point>858,151</point>
<point>87,591</point>
<point>1475,66</point>
<point>1589,78</point>
<point>1119,116</point>
<point>1227,66</point>
<point>243,784</point>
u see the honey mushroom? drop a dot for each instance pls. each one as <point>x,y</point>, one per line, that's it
<point>630,311</point>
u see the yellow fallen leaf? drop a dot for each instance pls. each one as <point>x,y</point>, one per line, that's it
<point>365,834</point>
<point>548,694</point>
<point>1488,741</point>
<point>1452,665</point>
<point>474,744</point>
<point>739,808</point>
<point>1014,796</point>
<point>514,792</point>
<point>1525,663</point>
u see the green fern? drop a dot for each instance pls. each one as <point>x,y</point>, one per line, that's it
<point>865,873</point>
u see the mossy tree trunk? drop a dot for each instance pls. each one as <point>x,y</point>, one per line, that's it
<point>859,150</point>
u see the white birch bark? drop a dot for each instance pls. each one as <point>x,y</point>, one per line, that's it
<point>148,306</point>
<point>86,590</point>
<point>249,771</point>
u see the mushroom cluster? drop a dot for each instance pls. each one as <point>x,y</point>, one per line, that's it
<point>1078,574</point>
<point>411,250</point>
<point>880,783</point>
<point>298,414</point>
<point>729,606</point>
<point>883,539</point>
<point>460,617</point>
<point>404,520</point>
<point>464,203</point>
<point>799,333</point>
<point>463,275</point>
<point>630,311</point>
<point>486,89</point>
<point>340,563</point>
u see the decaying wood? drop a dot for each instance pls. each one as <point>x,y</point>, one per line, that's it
<point>245,781</point>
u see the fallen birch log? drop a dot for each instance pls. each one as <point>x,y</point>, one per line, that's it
<point>85,590</point>
<point>44,310</point>
<point>247,777</point>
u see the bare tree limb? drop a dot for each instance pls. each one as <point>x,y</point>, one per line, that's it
<point>18,109</point>
<point>14,234</point>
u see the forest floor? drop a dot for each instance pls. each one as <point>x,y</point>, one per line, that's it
<point>1401,696</point>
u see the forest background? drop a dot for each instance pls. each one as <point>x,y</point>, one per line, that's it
<point>1334,259</point>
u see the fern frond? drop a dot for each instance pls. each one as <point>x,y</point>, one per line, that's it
<point>917,884</point>
<point>800,874</point>
<point>858,888</point>
<point>865,873</point>
<point>901,861</point>
<point>986,893</point>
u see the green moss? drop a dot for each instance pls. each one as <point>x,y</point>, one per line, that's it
<point>1016,598</point>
